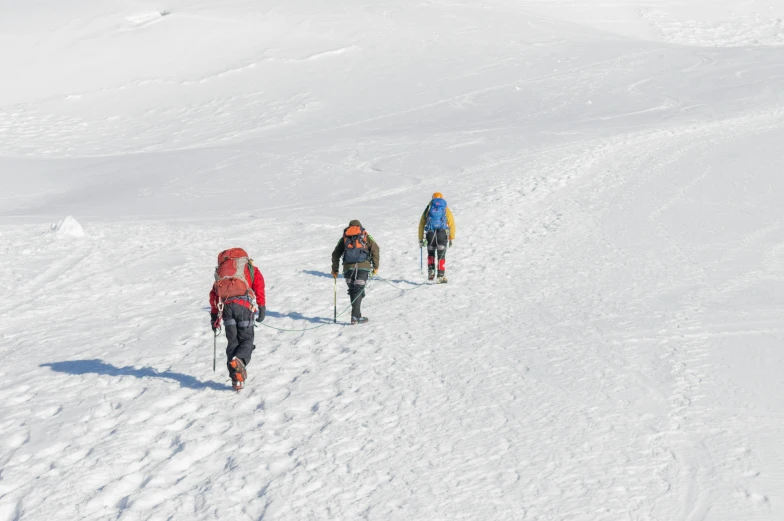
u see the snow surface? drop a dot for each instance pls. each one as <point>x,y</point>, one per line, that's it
<point>609,346</point>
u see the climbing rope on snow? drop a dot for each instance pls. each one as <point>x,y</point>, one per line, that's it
<point>367,286</point>
<point>416,285</point>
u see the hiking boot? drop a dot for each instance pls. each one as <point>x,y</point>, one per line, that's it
<point>238,373</point>
<point>431,275</point>
<point>360,320</point>
<point>442,279</point>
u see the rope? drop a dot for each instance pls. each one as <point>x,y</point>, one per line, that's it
<point>294,330</point>
<point>367,286</point>
<point>416,286</point>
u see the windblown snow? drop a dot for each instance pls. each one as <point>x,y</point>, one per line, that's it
<point>609,345</point>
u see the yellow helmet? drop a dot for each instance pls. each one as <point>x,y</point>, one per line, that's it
<point>438,195</point>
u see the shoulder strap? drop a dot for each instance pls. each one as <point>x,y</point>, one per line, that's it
<point>251,269</point>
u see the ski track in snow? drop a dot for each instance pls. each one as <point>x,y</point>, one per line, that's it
<point>606,347</point>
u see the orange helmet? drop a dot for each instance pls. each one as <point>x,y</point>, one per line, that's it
<point>438,195</point>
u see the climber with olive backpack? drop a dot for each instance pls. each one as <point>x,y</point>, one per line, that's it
<point>238,293</point>
<point>361,256</point>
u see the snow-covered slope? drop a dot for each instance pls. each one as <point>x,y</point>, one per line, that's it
<point>609,344</point>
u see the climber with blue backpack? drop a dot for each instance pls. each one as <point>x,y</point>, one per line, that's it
<point>436,233</point>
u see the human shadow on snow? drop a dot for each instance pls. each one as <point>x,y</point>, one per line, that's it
<point>393,281</point>
<point>95,366</point>
<point>323,274</point>
<point>298,316</point>
<point>294,315</point>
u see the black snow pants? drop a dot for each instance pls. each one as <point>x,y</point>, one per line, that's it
<point>356,280</point>
<point>437,241</point>
<point>238,322</point>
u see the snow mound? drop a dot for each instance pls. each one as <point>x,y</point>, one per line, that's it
<point>68,227</point>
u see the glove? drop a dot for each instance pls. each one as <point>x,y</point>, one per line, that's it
<point>375,272</point>
<point>450,243</point>
<point>334,274</point>
<point>213,320</point>
<point>262,314</point>
<point>423,243</point>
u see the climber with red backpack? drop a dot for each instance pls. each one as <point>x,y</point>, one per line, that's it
<point>361,256</point>
<point>238,293</point>
<point>436,233</point>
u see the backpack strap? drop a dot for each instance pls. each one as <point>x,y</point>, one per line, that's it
<point>427,215</point>
<point>251,269</point>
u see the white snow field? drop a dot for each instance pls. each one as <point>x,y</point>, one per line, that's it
<point>610,345</point>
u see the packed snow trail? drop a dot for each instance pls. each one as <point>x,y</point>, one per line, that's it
<point>608,346</point>
<point>566,401</point>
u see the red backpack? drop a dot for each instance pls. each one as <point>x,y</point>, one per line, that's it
<point>230,278</point>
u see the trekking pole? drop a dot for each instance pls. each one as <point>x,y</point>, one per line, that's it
<point>335,294</point>
<point>216,331</point>
<point>214,350</point>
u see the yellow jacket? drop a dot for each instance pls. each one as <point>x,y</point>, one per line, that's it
<point>450,222</point>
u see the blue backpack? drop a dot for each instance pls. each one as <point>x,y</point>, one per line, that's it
<point>436,215</point>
